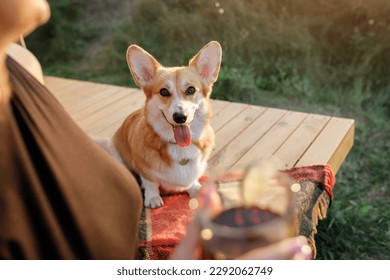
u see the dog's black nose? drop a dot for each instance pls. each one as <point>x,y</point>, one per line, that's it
<point>179,118</point>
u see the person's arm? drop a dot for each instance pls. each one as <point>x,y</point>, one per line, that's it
<point>26,59</point>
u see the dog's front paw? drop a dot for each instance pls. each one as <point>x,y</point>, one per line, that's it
<point>154,202</point>
<point>193,191</point>
<point>152,194</point>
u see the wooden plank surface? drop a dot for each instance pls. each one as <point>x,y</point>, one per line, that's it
<point>299,141</point>
<point>229,154</point>
<point>236,126</point>
<point>275,137</point>
<point>332,145</point>
<point>244,133</point>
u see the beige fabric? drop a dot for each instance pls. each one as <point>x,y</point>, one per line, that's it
<point>25,58</point>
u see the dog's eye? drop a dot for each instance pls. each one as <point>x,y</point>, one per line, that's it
<point>164,92</point>
<point>190,90</point>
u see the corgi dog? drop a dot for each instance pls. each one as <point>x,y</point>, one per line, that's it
<point>168,141</point>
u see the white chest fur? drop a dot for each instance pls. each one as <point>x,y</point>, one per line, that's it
<point>188,166</point>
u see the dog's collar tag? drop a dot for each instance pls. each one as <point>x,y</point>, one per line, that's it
<point>184,161</point>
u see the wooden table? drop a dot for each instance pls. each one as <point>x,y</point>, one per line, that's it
<point>243,132</point>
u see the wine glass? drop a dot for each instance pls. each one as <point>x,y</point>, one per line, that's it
<point>244,209</point>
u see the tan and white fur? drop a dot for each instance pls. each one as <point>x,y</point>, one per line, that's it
<point>169,140</point>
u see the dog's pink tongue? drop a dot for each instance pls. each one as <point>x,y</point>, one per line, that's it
<point>182,135</point>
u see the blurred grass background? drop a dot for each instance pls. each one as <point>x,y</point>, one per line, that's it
<point>322,56</point>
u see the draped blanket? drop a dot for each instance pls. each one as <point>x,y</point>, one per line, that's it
<point>162,229</point>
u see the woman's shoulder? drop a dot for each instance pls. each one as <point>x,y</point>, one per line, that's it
<point>27,60</point>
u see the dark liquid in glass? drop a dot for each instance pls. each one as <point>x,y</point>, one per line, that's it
<point>244,217</point>
<point>237,230</point>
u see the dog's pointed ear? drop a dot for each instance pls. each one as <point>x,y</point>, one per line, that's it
<point>208,62</point>
<point>142,65</point>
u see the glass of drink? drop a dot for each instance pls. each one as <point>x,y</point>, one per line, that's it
<point>241,210</point>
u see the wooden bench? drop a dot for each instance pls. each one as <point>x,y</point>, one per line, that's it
<point>243,132</point>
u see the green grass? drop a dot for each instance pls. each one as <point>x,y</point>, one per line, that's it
<point>323,56</point>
